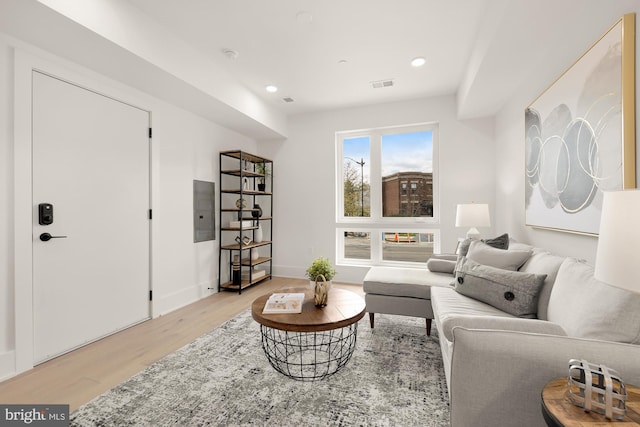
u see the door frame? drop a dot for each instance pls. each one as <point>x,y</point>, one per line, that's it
<point>24,65</point>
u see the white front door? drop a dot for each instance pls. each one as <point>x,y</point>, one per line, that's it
<point>91,164</point>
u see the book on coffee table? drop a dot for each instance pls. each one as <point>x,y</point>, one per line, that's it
<point>284,303</point>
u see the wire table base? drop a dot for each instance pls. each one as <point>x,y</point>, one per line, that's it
<point>309,356</point>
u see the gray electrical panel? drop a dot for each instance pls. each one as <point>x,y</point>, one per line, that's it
<point>204,217</point>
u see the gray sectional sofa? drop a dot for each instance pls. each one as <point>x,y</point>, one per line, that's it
<point>496,363</point>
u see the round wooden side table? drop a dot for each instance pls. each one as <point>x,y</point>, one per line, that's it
<point>558,411</point>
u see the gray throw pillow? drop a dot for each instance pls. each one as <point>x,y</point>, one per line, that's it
<point>506,259</point>
<point>500,242</point>
<point>510,291</point>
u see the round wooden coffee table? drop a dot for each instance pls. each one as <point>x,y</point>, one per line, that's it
<point>316,343</point>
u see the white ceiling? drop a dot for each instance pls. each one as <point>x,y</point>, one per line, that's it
<point>376,38</point>
<point>483,51</point>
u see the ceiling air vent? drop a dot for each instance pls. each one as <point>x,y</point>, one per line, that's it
<point>287,99</point>
<point>382,83</point>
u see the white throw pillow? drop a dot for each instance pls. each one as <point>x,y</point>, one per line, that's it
<point>500,258</point>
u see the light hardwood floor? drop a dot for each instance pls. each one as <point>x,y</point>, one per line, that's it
<point>77,377</point>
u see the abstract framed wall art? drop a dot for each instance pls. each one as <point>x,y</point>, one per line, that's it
<point>580,136</point>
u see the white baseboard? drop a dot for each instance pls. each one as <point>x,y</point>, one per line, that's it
<point>353,275</point>
<point>164,304</point>
<point>288,271</point>
<point>7,365</point>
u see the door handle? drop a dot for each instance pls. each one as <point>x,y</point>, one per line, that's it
<point>45,237</point>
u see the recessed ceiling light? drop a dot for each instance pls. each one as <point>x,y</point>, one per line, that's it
<point>342,61</point>
<point>418,62</point>
<point>230,53</point>
<point>271,89</point>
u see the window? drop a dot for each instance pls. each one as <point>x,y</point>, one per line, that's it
<point>387,195</point>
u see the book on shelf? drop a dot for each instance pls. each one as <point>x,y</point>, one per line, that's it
<point>284,303</point>
<point>256,274</point>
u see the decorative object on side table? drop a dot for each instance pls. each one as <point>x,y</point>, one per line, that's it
<point>321,291</point>
<point>320,266</point>
<point>596,388</point>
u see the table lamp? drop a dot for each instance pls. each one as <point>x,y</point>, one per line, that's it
<point>473,215</point>
<point>619,235</point>
<point>615,260</point>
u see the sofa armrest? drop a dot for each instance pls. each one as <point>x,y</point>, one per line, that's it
<point>497,376</point>
<point>500,323</point>
<point>449,257</point>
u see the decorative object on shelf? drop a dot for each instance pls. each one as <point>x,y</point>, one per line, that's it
<point>321,291</point>
<point>320,267</point>
<point>253,274</point>
<point>241,203</point>
<point>240,224</point>
<point>262,169</point>
<point>473,215</point>
<point>258,235</point>
<point>246,164</point>
<point>236,270</point>
<point>596,388</point>
<point>245,240</point>
<point>257,211</point>
<point>245,184</point>
<point>255,255</point>
<point>579,136</point>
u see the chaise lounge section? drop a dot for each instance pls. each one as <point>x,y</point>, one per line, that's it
<point>402,291</point>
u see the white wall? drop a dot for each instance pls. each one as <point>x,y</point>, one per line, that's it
<point>582,30</point>
<point>185,147</point>
<point>305,183</point>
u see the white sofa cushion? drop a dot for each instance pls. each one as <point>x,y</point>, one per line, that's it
<point>447,303</point>
<point>500,324</point>
<point>404,282</point>
<point>543,262</point>
<point>588,308</point>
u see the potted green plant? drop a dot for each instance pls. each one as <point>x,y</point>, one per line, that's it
<point>320,266</point>
<point>262,169</point>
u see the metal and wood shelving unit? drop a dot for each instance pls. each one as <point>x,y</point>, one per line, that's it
<point>240,176</point>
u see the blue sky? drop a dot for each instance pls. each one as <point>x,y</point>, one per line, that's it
<point>401,152</point>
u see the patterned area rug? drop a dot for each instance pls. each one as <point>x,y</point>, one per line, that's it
<point>395,378</point>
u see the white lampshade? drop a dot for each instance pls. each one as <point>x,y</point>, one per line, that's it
<point>473,215</point>
<point>617,257</point>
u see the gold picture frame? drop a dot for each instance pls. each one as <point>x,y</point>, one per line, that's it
<point>580,136</point>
